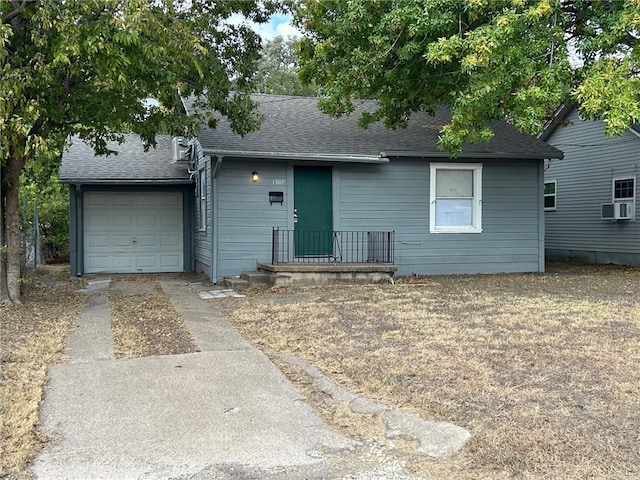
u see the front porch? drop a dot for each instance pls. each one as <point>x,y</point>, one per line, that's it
<point>302,258</point>
<point>304,274</point>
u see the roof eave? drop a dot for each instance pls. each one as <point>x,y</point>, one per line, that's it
<point>484,155</point>
<point>317,157</point>
<point>127,181</point>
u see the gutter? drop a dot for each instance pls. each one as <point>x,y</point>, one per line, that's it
<point>126,181</point>
<point>317,157</point>
<point>494,155</point>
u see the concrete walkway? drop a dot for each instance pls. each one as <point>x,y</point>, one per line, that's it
<point>226,412</point>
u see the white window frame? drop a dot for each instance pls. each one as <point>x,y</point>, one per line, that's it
<point>554,195</point>
<point>202,198</point>
<point>476,204</point>
<point>613,189</point>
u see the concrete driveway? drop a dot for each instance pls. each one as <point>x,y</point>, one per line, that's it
<point>225,412</point>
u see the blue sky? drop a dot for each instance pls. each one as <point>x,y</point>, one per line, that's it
<point>278,25</point>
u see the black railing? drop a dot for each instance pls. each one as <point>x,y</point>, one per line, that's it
<point>293,246</point>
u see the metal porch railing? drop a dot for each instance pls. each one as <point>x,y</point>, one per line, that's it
<point>292,246</point>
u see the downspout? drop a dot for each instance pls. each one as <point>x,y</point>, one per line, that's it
<point>541,219</point>
<point>79,217</point>
<point>213,185</point>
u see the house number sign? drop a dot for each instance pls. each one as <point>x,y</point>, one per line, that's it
<point>279,181</point>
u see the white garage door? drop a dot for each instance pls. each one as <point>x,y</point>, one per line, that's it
<point>133,232</point>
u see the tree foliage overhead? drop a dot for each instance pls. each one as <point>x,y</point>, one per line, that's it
<point>277,70</point>
<point>515,60</point>
<point>84,66</point>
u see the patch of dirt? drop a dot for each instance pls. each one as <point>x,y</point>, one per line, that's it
<point>144,322</point>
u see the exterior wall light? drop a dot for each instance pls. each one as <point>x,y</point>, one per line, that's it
<point>255,177</point>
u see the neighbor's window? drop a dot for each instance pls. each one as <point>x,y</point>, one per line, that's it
<point>550,189</point>
<point>202,198</point>
<point>624,188</point>
<point>456,198</point>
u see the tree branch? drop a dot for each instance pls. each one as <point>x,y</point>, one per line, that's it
<point>17,8</point>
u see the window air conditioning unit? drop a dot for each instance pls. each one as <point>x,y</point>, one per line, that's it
<point>617,211</point>
<point>180,146</point>
<point>623,210</point>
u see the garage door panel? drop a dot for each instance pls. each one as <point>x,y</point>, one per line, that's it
<point>147,241</point>
<point>98,263</point>
<point>170,261</point>
<point>122,261</point>
<point>121,241</point>
<point>147,261</point>
<point>169,240</point>
<point>120,200</point>
<point>129,232</point>
<point>122,220</point>
<point>147,200</point>
<point>169,220</point>
<point>171,200</point>
<point>146,219</point>
<point>97,241</point>
<point>96,220</point>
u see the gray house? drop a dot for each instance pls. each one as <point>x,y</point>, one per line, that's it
<point>311,192</point>
<point>590,196</point>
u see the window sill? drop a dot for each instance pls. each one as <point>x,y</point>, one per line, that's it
<point>456,230</point>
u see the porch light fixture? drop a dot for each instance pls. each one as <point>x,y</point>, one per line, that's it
<point>254,176</point>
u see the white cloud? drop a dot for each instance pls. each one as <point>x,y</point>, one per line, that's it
<point>278,25</point>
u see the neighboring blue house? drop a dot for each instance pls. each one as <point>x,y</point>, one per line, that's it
<point>591,195</point>
<point>311,190</point>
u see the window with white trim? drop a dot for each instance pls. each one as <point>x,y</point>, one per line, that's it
<point>455,198</point>
<point>550,189</point>
<point>624,188</point>
<point>202,198</point>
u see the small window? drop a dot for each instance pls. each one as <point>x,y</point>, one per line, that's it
<point>456,198</point>
<point>202,198</point>
<point>550,189</point>
<point>624,188</point>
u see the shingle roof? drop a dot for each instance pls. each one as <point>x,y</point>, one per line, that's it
<point>131,165</point>
<point>294,125</point>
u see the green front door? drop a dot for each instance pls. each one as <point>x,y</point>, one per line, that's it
<point>313,208</point>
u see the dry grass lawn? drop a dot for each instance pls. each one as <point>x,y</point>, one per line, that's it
<point>32,338</point>
<point>143,320</point>
<point>544,370</point>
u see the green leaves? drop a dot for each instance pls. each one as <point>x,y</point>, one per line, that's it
<point>277,70</point>
<point>83,66</point>
<point>512,60</point>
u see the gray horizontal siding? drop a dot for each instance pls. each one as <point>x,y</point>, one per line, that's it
<point>396,197</point>
<point>584,182</point>
<point>393,196</point>
<point>244,216</point>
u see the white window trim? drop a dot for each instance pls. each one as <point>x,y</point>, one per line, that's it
<point>613,188</point>
<point>555,195</point>
<point>202,199</point>
<point>476,226</point>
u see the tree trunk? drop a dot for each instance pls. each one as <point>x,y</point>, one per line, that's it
<point>12,224</point>
<point>4,294</point>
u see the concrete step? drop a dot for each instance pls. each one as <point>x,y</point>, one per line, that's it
<point>256,278</point>
<point>233,282</point>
